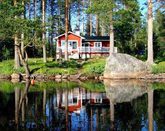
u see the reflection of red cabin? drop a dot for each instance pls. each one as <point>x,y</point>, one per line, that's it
<point>81,47</point>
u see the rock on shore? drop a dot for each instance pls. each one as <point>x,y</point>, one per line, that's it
<point>123,66</point>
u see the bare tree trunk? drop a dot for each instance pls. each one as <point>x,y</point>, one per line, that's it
<point>22,34</point>
<point>35,11</point>
<point>112,114</point>
<point>16,57</point>
<point>150,109</point>
<point>66,29</point>
<point>90,18</point>
<point>44,101</point>
<point>102,30</point>
<point>150,33</point>
<point>97,25</point>
<point>29,16</point>
<point>24,62</point>
<point>83,24</point>
<point>111,34</point>
<point>17,97</point>
<point>43,32</point>
<point>66,109</point>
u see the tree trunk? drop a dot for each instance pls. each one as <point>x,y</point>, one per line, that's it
<point>90,18</point>
<point>24,62</point>
<point>66,109</point>
<point>150,109</point>
<point>17,98</point>
<point>112,114</point>
<point>83,24</point>
<point>111,34</point>
<point>66,30</point>
<point>22,34</point>
<point>97,25</point>
<point>16,57</point>
<point>35,11</point>
<point>150,33</point>
<point>43,32</point>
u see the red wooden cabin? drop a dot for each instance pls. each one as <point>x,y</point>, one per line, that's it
<point>81,47</point>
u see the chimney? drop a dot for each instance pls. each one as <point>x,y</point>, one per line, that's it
<point>77,31</point>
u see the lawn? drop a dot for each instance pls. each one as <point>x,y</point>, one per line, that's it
<point>93,66</point>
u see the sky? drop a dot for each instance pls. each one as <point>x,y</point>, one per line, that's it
<point>141,2</point>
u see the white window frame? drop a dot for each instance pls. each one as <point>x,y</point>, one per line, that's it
<point>95,43</point>
<point>70,41</point>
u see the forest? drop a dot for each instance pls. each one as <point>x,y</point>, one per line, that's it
<point>28,27</point>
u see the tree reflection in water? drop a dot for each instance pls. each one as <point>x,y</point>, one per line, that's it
<point>120,106</point>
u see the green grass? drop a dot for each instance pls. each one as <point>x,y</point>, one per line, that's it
<point>92,67</point>
<point>159,68</point>
<point>6,67</point>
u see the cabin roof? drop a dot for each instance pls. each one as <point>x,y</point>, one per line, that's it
<point>96,38</point>
<point>69,33</point>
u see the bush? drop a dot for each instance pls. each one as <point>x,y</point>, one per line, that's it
<point>159,68</point>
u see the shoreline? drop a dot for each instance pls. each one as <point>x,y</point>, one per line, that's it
<point>40,77</point>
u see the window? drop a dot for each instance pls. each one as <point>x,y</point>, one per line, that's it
<point>74,45</point>
<point>63,43</point>
<point>71,44</point>
<point>85,44</point>
<point>98,44</point>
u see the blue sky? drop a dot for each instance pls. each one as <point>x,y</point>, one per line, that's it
<point>141,2</point>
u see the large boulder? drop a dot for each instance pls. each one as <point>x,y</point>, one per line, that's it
<point>119,66</point>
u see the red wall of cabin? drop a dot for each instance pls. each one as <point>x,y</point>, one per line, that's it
<point>70,37</point>
<point>104,43</point>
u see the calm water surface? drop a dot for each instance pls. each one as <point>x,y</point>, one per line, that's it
<point>82,106</point>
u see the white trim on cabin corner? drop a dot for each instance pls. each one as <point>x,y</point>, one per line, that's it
<point>71,33</point>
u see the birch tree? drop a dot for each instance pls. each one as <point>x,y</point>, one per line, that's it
<point>66,29</point>
<point>150,33</point>
<point>43,32</point>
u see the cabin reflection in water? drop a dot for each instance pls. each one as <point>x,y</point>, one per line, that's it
<point>78,98</point>
<point>63,110</point>
<point>119,106</point>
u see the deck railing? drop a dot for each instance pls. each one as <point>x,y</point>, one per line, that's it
<point>87,49</point>
<point>94,49</point>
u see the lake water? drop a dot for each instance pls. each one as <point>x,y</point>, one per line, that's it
<point>82,106</point>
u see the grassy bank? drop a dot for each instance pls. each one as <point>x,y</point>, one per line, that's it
<point>89,67</point>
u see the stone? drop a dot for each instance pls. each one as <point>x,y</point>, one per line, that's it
<point>58,76</point>
<point>5,76</point>
<point>77,76</point>
<point>83,78</point>
<point>101,77</point>
<point>16,76</point>
<point>124,66</point>
<point>52,77</point>
<point>38,77</point>
<point>65,76</point>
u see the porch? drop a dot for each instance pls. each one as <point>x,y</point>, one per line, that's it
<point>82,50</point>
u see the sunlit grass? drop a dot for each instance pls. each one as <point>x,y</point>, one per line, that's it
<point>159,68</point>
<point>37,66</point>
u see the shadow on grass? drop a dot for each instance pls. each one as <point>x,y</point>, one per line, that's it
<point>34,70</point>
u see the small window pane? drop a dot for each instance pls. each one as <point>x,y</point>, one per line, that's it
<point>98,44</point>
<point>74,45</point>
